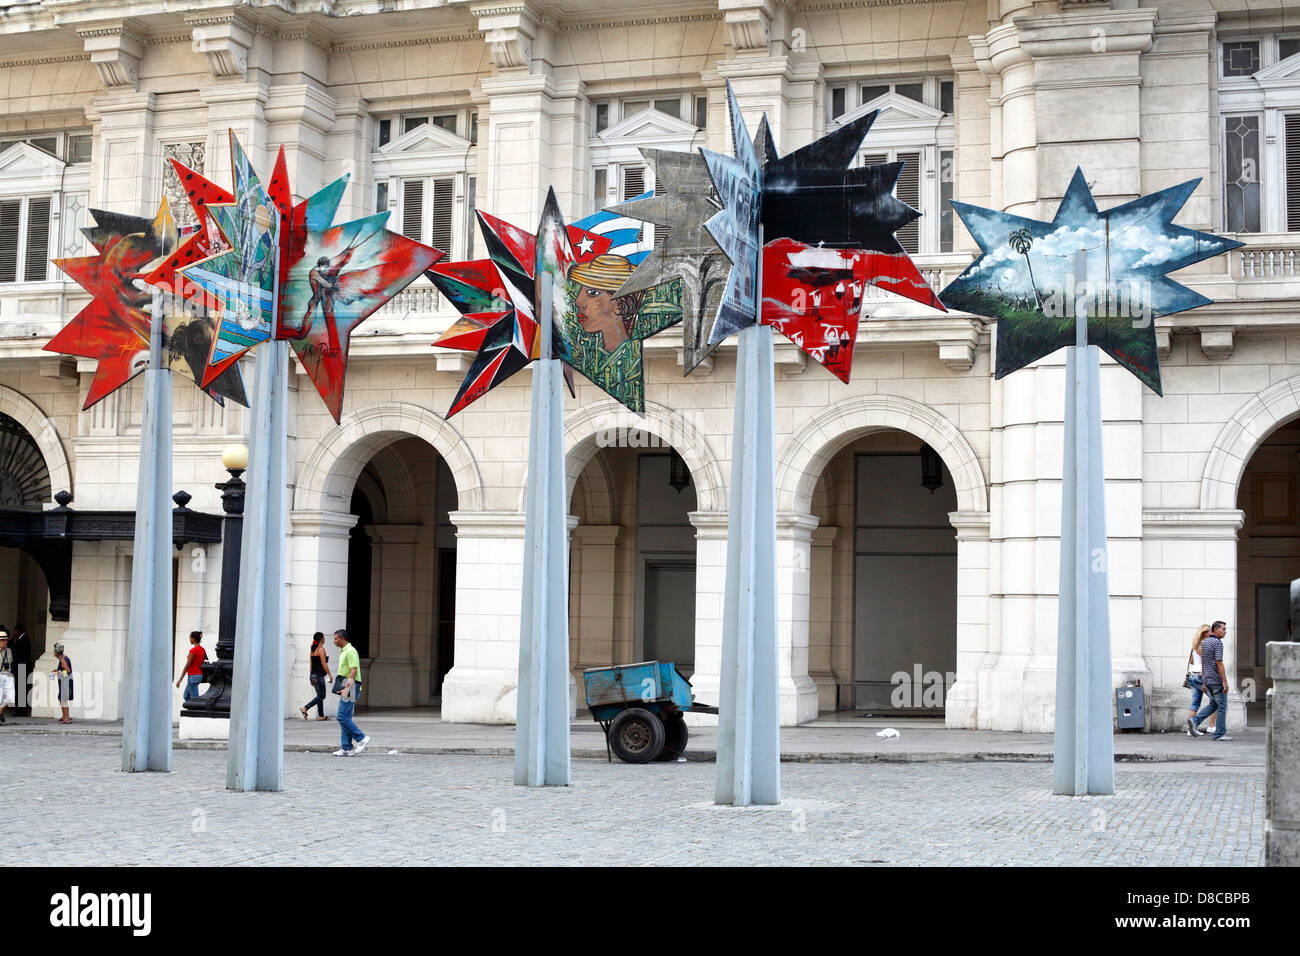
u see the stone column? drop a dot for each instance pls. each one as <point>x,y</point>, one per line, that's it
<point>821,666</point>
<point>789,89</point>
<point>591,609</point>
<point>318,595</point>
<point>1282,748</point>
<point>392,677</point>
<point>127,153</point>
<point>798,693</point>
<point>710,588</point>
<point>961,701</point>
<point>481,686</point>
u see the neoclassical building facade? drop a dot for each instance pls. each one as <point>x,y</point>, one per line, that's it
<point>918,506</point>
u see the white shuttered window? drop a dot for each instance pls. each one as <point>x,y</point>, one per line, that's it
<point>25,239</point>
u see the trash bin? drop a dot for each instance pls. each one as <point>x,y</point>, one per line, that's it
<point>1130,707</point>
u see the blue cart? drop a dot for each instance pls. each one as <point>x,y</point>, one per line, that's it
<point>640,708</point>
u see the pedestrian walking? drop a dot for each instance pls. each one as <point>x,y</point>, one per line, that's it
<point>192,669</point>
<point>1193,680</point>
<point>6,674</point>
<point>63,675</point>
<point>1215,679</point>
<point>347,684</point>
<point>320,672</point>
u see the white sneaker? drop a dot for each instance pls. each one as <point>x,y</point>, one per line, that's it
<point>344,753</point>
<point>362,744</point>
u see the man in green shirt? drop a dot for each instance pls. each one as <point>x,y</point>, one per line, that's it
<point>350,670</point>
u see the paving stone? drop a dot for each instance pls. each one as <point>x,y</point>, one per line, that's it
<point>431,809</point>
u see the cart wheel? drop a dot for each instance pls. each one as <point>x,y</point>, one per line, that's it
<point>674,737</point>
<point>636,735</point>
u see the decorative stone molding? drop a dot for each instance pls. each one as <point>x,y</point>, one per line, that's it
<point>809,450</point>
<point>408,41</point>
<point>327,476</point>
<point>1221,523</point>
<point>970,525</point>
<point>321,524</point>
<point>709,525</point>
<point>1164,343</point>
<point>1237,441</point>
<point>225,41</point>
<point>749,24</point>
<point>116,51</point>
<point>641,22</point>
<point>609,424</point>
<point>1217,341</point>
<point>37,424</point>
<point>509,31</point>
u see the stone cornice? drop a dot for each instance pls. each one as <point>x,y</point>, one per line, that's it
<point>488,524</point>
<point>854,5</point>
<point>1192,523</point>
<point>639,22</point>
<point>43,60</point>
<point>477,36</point>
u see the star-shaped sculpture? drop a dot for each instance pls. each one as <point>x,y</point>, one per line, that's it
<point>691,255</point>
<point>735,227</point>
<point>283,270</point>
<point>114,327</point>
<point>595,328</point>
<point>1024,276</point>
<point>826,229</point>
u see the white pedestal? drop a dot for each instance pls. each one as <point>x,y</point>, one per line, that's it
<point>205,728</point>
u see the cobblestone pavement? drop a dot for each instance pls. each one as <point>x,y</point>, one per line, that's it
<point>421,809</point>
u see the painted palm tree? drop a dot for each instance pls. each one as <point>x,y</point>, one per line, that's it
<point>1021,241</point>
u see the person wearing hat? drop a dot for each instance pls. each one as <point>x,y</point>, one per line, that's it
<point>63,674</point>
<point>6,675</point>
<point>598,309</point>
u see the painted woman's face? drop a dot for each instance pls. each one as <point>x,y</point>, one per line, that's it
<point>597,312</point>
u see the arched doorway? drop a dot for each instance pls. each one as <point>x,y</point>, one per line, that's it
<point>24,594</point>
<point>401,591</point>
<point>633,559</point>
<point>1268,553</point>
<point>884,577</point>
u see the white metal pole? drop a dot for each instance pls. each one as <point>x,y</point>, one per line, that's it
<point>256,758</point>
<point>542,718</point>
<point>147,724</point>
<point>749,768</point>
<point>1084,752</point>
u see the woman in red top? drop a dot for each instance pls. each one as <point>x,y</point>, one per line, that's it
<point>192,672</point>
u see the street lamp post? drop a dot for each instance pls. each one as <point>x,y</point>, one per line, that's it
<point>218,674</point>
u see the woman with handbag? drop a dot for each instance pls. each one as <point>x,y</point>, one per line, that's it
<point>320,672</point>
<point>1193,680</point>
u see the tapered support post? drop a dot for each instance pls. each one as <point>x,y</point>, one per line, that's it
<point>748,770</point>
<point>147,724</point>
<point>256,760</point>
<point>1084,752</point>
<point>542,715</point>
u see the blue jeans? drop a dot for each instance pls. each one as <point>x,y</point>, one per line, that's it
<point>1197,685</point>
<point>1218,705</point>
<point>348,730</point>
<point>192,685</point>
<point>317,682</point>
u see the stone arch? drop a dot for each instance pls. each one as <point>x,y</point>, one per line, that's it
<point>810,449</point>
<point>598,491</point>
<point>26,413</point>
<point>326,478</point>
<point>1259,417</point>
<point>608,423</point>
<point>398,485</point>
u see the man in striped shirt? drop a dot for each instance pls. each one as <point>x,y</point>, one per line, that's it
<point>1216,682</point>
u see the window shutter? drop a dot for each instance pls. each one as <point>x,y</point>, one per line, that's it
<point>412,208</point>
<point>661,233</point>
<point>874,159</point>
<point>471,218</point>
<point>444,191</point>
<point>9,240</point>
<point>1293,172</point>
<point>908,189</point>
<point>633,182</point>
<point>36,260</point>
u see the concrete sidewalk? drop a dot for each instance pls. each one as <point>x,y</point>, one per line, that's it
<point>832,740</point>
